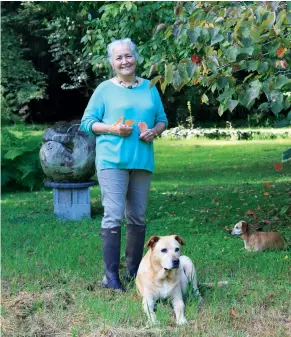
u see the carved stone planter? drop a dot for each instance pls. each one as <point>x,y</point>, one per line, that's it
<point>67,158</point>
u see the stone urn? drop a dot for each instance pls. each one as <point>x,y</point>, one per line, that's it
<point>67,157</point>
<point>67,154</point>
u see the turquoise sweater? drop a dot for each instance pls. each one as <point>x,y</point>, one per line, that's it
<point>108,103</point>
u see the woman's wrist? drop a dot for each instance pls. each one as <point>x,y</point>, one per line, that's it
<point>100,128</point>
<point>112,130</point>
<point>155,132</point>
<point>158,129</point>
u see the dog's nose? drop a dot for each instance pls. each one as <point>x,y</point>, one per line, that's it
<point>176,263</point>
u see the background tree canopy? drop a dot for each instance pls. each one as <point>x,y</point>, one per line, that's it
<point>217,60</point>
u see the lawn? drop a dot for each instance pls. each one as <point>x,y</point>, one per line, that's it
<point>50,268</point>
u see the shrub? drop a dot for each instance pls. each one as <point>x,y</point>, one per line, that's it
<point>21,167</point>
<point>21,82</point>
<point>7,116</point>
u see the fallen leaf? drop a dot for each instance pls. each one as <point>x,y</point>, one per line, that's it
<point>278,167</point>
<point>266,194</point>
<point>233,313</point>
<point>267,184</point>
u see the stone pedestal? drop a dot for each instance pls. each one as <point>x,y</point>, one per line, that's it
<point>71,200</point>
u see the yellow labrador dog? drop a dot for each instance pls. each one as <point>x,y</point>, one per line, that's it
<point>163,273</point>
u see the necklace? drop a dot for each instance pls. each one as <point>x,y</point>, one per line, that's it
<point>129,86</point>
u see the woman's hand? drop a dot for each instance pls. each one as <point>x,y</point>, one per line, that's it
<point>148,135</point>
<point>121,130</point>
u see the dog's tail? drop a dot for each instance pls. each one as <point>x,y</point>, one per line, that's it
<point>214,284</point>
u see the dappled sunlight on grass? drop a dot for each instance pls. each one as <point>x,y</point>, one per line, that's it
<point>203,163</point>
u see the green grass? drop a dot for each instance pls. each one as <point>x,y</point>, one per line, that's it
<point>50,267</point>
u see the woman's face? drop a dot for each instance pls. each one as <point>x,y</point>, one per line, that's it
<point>123,61</point>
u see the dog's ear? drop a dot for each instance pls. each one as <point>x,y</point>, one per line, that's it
<point>245,226</point>
<point>152,241</point>
<point>180,240</point>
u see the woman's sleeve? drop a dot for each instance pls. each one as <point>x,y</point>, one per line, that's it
<point>94,111</point>
<point>160,112</point>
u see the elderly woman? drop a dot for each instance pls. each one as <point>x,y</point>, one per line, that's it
<point>124,155</point>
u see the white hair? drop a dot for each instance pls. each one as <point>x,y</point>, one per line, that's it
<point>113,44</point>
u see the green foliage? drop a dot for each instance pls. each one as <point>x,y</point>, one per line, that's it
<point>20,165</point>
<point>61,24</point>
<point>21,82</point>
<point>62,46</point>
<point>7,117</point>
<point>114,18</point>
<point>238,52</point>
<point>231,56</point>
<point>65,31</point>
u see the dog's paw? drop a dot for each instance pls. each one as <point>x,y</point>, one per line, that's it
<point>182,321</point>
<point>152,323</point>
<point>200,303</point>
